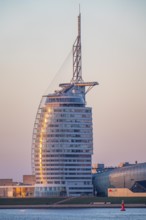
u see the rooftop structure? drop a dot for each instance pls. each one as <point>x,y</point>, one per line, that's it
<point>28,179</point>
<point>62,143</point>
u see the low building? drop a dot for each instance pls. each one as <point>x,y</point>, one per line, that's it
<point>132,177</point>
<point>28,179</point>
<point>8,188</point>
<point>124,192</point>
<point>16,191</point>
<point>6,182</point>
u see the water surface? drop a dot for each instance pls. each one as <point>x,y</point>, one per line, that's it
<point>73,214</point>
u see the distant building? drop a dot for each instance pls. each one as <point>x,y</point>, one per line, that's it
<point>17,191</point>
<point>8,188</point>
<point>97,167</point>
<point>124,164</point>
<point>130,176</point>
<point>6,182</point>
<point>28,179</point>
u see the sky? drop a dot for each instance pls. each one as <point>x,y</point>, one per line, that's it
<point>36,38</point>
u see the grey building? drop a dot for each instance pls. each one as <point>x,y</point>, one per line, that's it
<point>132,177</point>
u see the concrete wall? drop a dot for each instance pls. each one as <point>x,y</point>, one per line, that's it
<point>123,192</point>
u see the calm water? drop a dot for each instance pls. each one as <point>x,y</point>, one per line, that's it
<point>72,214</point>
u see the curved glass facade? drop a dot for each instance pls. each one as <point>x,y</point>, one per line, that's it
<point>62,146</point>
<point>62,143</point>
<point>131,177</point>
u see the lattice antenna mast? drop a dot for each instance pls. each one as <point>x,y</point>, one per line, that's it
<point>77,61</point>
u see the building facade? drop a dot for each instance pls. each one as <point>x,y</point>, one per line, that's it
<point>10,188</point>
<point>62,143</point>
<point>16,191</point>
<point>132,177</point>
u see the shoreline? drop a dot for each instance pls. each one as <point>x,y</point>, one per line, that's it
<point>71,206</point>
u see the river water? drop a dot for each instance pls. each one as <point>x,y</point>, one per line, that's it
<point>73,214</point>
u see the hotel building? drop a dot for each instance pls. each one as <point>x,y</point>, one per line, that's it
<point>62,144</point>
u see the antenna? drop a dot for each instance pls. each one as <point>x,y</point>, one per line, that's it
<point>79,23</point>
<point>77,66</point>
<point>77,61</point>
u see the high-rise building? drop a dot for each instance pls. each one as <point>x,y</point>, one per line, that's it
<point>62,143</point>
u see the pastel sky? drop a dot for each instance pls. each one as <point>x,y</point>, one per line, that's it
<point>35,38</point>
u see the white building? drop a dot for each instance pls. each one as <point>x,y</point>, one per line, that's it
<point>62,144</point>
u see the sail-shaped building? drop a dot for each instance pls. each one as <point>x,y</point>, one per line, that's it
<point>62,144</point>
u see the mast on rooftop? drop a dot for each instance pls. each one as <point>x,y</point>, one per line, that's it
<point>77,65</point>
<point>77,59</point>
